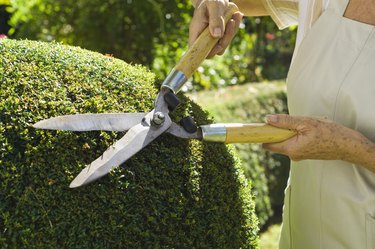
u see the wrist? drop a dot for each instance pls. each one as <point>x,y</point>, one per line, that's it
<point>359,150</point>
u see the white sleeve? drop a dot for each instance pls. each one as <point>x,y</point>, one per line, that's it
<point>283,12</point>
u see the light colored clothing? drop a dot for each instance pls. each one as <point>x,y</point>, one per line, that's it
<point>331,204</point>
<point>286,13</point>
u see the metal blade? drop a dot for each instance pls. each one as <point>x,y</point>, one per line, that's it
<point>134,140</point>
<point>90,122</point>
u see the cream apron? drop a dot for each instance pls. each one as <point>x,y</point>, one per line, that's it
<point>331,204</point>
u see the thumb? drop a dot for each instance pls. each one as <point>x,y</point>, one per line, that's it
<point>216,18</point>
<point>282,121</point>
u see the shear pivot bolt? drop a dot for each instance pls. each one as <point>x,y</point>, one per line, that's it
<point>158,118</point>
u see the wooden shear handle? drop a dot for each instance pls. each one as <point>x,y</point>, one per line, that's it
<point>195,55</point>
<point>198,52</point>
<point>245,133</point>
<point>257,133</point>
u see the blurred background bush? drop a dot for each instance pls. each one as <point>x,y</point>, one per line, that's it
<point>154,33</point>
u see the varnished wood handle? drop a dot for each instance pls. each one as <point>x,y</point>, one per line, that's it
<point>198,52</point>
<point>194,56</point>
<point>245,133</point>
<point>257,133</point>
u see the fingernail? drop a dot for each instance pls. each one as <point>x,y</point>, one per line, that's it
<point>272,118</point>
<point>217,32</point>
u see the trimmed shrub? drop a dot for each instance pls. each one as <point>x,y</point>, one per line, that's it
<point>175,193</point>
<point>267,171</point>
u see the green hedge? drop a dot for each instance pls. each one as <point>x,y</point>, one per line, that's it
<point>267,171</point>
<point>173,194</point>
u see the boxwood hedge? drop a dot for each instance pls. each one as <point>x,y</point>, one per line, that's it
<point>175,193</point>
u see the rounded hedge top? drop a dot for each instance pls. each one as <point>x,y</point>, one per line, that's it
<point>175,193</point>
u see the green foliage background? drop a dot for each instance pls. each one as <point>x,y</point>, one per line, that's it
<point>155,33</point>
<point>128,29</point>
<point>175,193</point>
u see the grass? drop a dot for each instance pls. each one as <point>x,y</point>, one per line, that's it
<point>214,99</point>
<point>270,238</point>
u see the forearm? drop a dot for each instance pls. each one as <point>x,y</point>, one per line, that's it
<point>358,149</point>
<point>247,7</point>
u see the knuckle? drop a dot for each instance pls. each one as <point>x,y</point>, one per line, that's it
<point>221,52</point>
<point>217,6</point>
<point>220,2</point>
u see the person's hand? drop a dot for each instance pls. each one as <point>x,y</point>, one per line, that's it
<point>316,138</point>
<point>210,13</point>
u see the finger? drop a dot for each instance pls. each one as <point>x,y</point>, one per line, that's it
<point>286,147</point>
<point>223,43</point>
<point>198,23</point>
<point>216,50</point>
<point>284,121</point>
<point>275,147</point>
<point>216,9</point>
<point>230,31</point>
<point>237,17</point>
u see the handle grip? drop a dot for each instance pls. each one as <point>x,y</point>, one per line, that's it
<point>194,56</point>
<point>245,133</point>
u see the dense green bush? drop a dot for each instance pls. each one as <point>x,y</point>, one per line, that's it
<point>268,171</point>
<point>175,193</point>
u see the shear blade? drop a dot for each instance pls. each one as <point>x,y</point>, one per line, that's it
<point>91,122</point>
<point>134,140</point>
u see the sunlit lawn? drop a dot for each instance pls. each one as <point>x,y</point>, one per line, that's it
<point>270,238</point>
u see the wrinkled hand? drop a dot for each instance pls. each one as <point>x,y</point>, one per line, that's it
<point>210,13</point>
<point>316,138</point>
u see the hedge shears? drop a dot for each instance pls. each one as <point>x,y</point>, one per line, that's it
<point>143,128</point>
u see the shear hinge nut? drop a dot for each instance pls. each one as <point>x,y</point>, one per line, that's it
<point>158,118</point>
